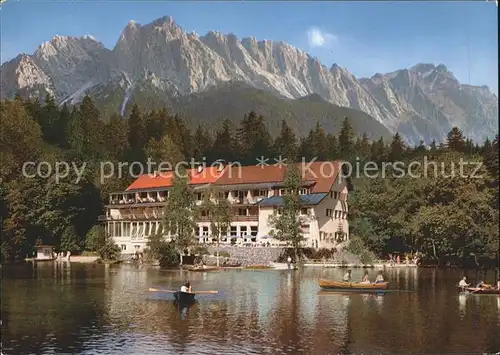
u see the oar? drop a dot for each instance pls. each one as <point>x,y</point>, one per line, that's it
<point>196,292</point>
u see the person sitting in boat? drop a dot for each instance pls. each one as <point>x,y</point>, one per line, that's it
<point>366,278</point>
<point>186,287</point>
<point>380,278</point>
<point>480,284</point>
<point>347,276</point>
<point>463,283</point>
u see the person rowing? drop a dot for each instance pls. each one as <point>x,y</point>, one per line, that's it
<point>186,288</point>
<point>463,283</point>
<point>380,278</point>
<point>366,278</point>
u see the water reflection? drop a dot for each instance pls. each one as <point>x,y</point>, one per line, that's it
<point>84,308</point>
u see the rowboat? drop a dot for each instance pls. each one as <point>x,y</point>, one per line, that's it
<point>483,291</point>
<point>184,297</point>
<point>352,286</point>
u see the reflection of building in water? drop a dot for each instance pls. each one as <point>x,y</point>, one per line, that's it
<point>332,322</point>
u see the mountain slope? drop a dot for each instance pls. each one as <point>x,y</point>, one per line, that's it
<point>161,60</point>
<point>234,100</point>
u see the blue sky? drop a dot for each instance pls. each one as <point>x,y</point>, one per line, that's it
<point>364,37</point>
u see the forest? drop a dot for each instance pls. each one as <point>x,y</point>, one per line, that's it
<point>450,218</point>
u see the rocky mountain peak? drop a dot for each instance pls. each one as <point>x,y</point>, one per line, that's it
<point>160,58</point>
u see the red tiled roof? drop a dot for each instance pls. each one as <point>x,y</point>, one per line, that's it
<point>165,179</point>
<point>323,173</point>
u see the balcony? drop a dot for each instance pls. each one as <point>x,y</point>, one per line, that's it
<point>132,217</point>
<point>251,218</point>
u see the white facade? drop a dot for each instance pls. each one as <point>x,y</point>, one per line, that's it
<point>132,217</point>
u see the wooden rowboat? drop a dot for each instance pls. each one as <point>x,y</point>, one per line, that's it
<point>353,286</point>
<point>184,297</point>
<point>483,291</point>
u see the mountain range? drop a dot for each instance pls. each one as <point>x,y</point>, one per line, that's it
<point>160,64</point>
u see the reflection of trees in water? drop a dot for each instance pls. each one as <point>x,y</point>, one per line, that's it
<point>50,307</point>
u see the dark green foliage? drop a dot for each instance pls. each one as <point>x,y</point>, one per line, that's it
<point>446,219</point>
<point>287,225</point>
<point>109,251</point>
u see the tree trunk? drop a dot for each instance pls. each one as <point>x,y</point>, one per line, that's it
<point>218,246</point>
<point>180,258</point>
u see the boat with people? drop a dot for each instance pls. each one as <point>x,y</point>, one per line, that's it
<point>352,286</point>
<point>480,289</point>
<point>184,297</point>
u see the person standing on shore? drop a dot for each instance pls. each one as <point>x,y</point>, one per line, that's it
<point>289,262</point>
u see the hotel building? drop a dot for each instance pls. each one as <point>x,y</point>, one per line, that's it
<point>254,194</point>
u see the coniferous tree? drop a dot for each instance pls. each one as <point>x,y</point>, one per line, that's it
<point>225,146</point>
<point>286,143</point>
<point>137,133</point>
<point>363,148</point>
<point>378,152</point>
<point>319,143</point>
<point>396,149</point>
<point>163,152</point>
<point>346,140</point>
<point>116,132</point>
<point>455,140</point>
<point>254,138</point>
<point>332,147</point>
<point>202,144</point>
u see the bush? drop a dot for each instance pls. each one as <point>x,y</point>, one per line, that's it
<point>109,251</point>
<point>95,238</point>
<point>357,247</point>
<point>223,254</point>
<point>159,250</point>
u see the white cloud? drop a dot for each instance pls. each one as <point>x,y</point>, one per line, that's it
<point>319,38</point>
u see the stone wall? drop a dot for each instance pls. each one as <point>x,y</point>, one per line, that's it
<point>250,255</point>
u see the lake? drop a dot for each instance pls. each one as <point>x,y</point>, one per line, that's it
<point>91,308</point>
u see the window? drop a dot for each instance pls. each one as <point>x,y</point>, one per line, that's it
<point>146,229</point>
<point>205,232</point>
<point>263,193</point>
<point>241,194</point>
<point>203,213</point>
<point>233,231</point>
<point>123,247</point>
<point>304,211</point>
<point>243,231</point>
<point>305,228</point>
<point>303,191</point>
<point>344,215</point>
<point>253,231</point>
<point>329,212</point>
<point>199,196</point>
<point>242,212</point>
<point>281,192</point>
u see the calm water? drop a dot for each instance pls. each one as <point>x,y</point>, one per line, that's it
<point>98,309</point>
